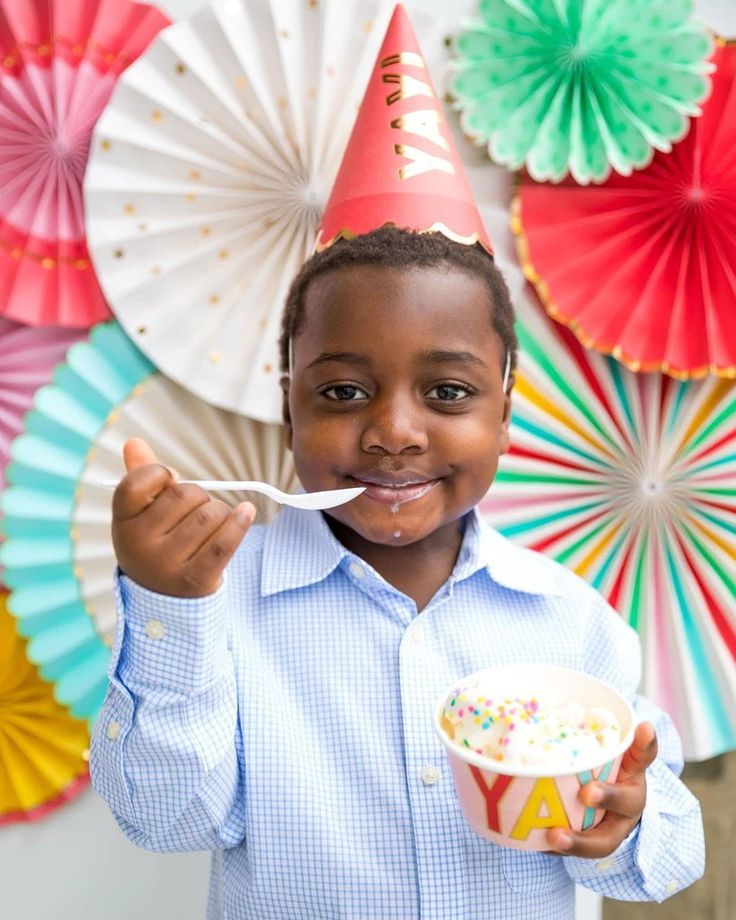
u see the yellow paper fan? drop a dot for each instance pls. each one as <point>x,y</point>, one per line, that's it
<point>42,747</point>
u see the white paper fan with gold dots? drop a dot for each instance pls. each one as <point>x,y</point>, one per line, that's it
<point>208,174</point>
<point>58,553</point>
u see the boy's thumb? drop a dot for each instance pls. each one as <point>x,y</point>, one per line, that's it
<point>137,453</point>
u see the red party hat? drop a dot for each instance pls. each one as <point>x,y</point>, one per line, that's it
<point>401,165</point>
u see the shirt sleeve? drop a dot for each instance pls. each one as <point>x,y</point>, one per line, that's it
<point>666,851</point>
<point>166,749</point>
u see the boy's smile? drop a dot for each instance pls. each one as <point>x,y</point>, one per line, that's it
<point>397,385</point>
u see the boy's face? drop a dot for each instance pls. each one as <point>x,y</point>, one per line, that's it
<point>397,386</point>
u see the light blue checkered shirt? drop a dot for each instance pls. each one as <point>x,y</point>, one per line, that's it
<point>285,722</point>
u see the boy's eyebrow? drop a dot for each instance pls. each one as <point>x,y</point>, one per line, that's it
<point>452,357</point>
<point>437,356</point>
<point>346,357</point>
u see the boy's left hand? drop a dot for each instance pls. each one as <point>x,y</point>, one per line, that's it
<point>623,800</point>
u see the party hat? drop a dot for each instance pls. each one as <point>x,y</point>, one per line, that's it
<point>401,165</point>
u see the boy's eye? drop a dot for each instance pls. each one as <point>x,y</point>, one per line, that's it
<point>448,392</point>
<point>344,392</point>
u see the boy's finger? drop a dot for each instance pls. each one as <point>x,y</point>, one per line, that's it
<point>173,505</point>
<point>137,453</point>
<point>642,752</point>
<point>594,843</point>
<point>138,490</point>
<point>214,554</point>
<point>626,799</point>
<point>194,529</point>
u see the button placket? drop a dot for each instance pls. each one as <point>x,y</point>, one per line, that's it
<point>431,798</point>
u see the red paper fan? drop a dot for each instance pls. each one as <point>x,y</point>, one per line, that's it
<point>59,60</point>
<point>644,267</point>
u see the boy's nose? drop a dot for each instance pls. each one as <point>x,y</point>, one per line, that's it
<point>394,426</point>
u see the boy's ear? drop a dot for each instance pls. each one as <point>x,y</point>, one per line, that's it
<point>285,414</point>
<point>505,439</point>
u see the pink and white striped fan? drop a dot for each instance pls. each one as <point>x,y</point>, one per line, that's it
<point>59,61</point>
<point>27,360</point>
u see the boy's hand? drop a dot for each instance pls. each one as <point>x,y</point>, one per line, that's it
<point>623,800</point>
<point>171,538</point>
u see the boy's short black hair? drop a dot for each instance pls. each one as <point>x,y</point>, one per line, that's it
<point>393,247</point>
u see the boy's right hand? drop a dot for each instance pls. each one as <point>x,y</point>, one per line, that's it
<point>172,538</point>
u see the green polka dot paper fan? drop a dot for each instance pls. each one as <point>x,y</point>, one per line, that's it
<point>580,86</point>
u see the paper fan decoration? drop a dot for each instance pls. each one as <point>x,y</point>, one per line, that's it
<point>648,269</point>
<point>27,358</point>
<point>630,480</point>
<point>58,554</point>
<point>583,87</point>
<point>59,60</point>
<point>208,175</point>
<point>42,748</point>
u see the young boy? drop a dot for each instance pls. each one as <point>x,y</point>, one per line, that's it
<point>271,697</point>
<point>284,716</point>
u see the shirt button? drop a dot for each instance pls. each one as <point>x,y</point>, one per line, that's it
<point>605,865</point>
<point>155,629</point>
<point>113,730</point>
<point>430,775</point>
<point>672,886</point>
<point>357,569</point>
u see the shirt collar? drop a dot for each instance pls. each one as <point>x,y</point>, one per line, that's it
<point>300,549</point>
<point>512,566</point>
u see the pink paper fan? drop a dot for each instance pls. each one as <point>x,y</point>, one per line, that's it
<point>27,360</point>
<point>59,61</point>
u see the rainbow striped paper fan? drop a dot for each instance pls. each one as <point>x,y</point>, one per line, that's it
<point>630,480</point>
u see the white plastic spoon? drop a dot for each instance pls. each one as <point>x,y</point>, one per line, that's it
<point>311,501</point>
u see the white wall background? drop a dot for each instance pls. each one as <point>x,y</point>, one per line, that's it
<point>76,864</point>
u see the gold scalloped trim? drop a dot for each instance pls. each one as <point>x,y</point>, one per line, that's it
<point>574,325</point>
<point>14,56</point>
<point>438,227</point>
<point>47,262</point>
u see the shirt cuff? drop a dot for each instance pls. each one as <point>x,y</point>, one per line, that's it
<point>175,643</point>
<point>618,862</point>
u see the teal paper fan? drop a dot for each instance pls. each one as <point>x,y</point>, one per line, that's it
<point>47,462</point>
<point>580,86</point>
<point>58,554</point>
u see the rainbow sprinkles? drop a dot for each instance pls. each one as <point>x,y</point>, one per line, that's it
<point>561,734</point>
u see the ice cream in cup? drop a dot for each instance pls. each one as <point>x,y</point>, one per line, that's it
<point>522,740</point>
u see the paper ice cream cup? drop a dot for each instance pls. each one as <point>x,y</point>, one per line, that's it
<point>514,805</point>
